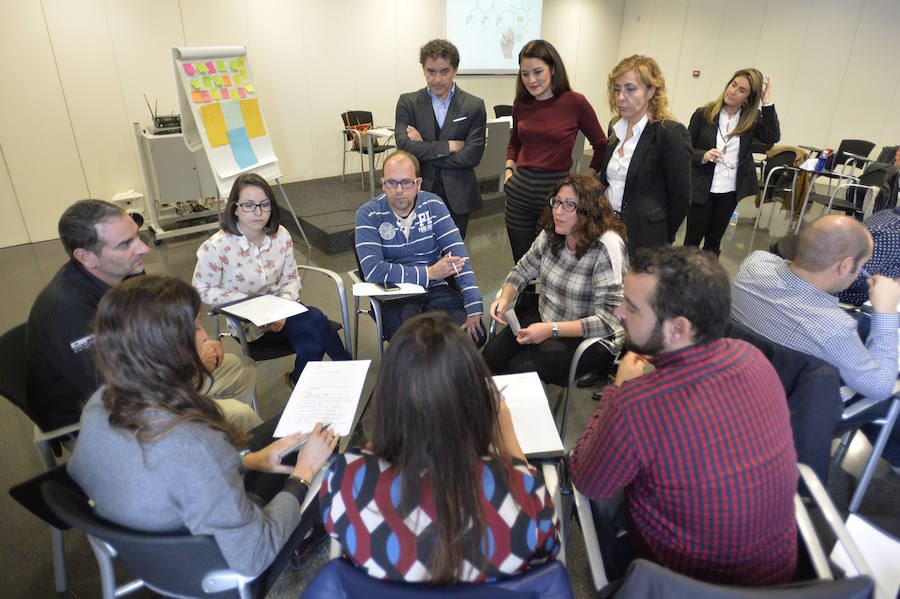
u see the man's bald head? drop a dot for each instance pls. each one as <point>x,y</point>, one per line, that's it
<point>829,239</point>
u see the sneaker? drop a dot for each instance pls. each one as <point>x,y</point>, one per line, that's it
<point>591,379</point>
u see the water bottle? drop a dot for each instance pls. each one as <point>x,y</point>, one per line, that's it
<point>732,225</point>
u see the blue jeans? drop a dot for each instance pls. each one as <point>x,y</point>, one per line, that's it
<point>311,336</point>
<point>438,299</point>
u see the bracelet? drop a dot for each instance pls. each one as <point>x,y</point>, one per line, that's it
<point>509,168</point>
<point>300,480</point>
<point>241,455</point>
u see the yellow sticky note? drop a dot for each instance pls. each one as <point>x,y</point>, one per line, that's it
<point>196,84</point>
<point>197,96</point>
<point>236,79</point>
<point>207,81</point>
<point>250,88</point>
<point>218,80</point>
<point>201,67</point>
<point>220,65</point>
<point>243,73</point>
<point>214,94</point>
<point>234,94</point>
<point>214,122</point>
<point>240,61</point>
<point>234,65</point>
<point>252,118</point>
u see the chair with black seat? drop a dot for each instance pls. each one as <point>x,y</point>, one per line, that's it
<point>270,347</point>
<point>341,580</point>
<point>779,176</point>
<point>859,148</point>
<point>501,110</point>
<point>356,123</point>
<point>14,386</point>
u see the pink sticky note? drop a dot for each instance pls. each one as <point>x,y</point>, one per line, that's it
<point>189,68</point>
<point>241,92</point>
<point>206,97</point>
<point>211,67</point>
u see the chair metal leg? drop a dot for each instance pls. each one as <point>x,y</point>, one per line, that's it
<point>573,368</point>
<point>356,326</point>
<point>107,571</point>
<point>362,169</point>
<point>889,422</point>
<point>376,308</point>
<point>59,559</point>
<point>343,156</point>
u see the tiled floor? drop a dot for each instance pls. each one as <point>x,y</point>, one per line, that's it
<point>26,568</point>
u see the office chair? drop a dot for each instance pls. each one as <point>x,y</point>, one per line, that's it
<point>14,386</point>
<point>501,110</point>
<point>356,123</point>
<point>341,580</point>
<point>779,176</point>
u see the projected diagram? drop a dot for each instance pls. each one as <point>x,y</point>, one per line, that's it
<point>476,23</point>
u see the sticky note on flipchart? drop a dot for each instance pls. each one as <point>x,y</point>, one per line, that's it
<point>234,65</point>
<point>196,84</point>
<point>211,67</point>
<point>205,94</point>
<point>214,93</point>
<point>197,96</point>
<point>250,88</point>
<point>240,61</point>
<point>220,65</point>
<point>243,73</point>
<point>252,118</point>
<point>218,80</point>
<point>241,92</point>
<point>207,81</point>
<point>189,68</point>
<point>241,148</point>
<point>236,79</point>
<point>231,111</point>
<point>227,80</point>
<point>235,95</point>
<point>201,68</point>
<point>214,123</point>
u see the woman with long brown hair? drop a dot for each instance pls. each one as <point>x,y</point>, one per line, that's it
<point>547,116</point>
<point>580,260</point>
<point>443,494</point>
<point>156,455</point>
<point>722,168</point>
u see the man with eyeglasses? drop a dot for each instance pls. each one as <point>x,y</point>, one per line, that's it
<point>444,127</point>
<point>104,249</point>
<point>406,235</point>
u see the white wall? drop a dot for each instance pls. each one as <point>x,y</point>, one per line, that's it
<point>79,70</point>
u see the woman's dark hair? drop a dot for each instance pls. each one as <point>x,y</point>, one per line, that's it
<point>145,338</point>
<point>750,109</point>
<point>229,215</point>
<point>559,81</point>
<point>436,413</point>
<point>595,216</point>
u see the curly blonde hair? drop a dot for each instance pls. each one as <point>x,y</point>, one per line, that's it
<point>648,70</point>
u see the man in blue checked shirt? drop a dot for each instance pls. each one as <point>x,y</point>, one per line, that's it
<point>406,235</point>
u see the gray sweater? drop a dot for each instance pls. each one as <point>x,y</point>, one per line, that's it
<point>188,479</point>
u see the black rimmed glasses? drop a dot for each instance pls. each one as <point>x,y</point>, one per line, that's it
<point>567,206</point>
<point>393,184</point>
<point>250,207</point>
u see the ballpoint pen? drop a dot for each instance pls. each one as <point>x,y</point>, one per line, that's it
<point>297,445</point>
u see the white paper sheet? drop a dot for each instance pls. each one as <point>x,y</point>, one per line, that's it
<point>327,392</point>
<point>265,309</point>
<point>373,290</point>
<point>512,320</point>
<point>530,410</point>
<point>881,552</point>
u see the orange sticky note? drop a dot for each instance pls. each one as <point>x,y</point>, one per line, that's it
<point>234,94</point>
<point>215,94</point>
<point>240,61</point>
<point>250,88</point>
<point>252,118</point>
<point>205,94</point>
<point>227,80</point>
<point>211,67</point>
<point>214,123</point>
<point>218,80</point>
<point>220,64</point>
<point>243,73</point>
<point>241,92</point>
<point>189,68</point>
<point>201,67</point>
<point>197,96</point>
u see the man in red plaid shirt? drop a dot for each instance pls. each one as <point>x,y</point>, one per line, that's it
<point>695,429</point>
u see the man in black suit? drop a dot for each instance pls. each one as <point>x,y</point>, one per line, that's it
<point>444,127</point>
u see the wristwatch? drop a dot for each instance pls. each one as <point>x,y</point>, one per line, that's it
<point>554,332</point>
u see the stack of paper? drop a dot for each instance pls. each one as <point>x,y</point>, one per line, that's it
<point>263,309</point>
<point>530,410</point>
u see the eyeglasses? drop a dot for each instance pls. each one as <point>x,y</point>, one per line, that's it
<point>567,206</point>
<point>393,184</point>
<point>251,207</point>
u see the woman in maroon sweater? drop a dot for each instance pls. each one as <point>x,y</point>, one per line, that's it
<point>547,116</point>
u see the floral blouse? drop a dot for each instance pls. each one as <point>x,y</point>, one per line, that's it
<point>229,268</point>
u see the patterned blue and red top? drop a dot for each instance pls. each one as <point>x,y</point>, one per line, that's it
<point>360,505</point>
<point>703,447</point>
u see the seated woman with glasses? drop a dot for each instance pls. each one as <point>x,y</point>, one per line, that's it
<point>253,255</point>
<point>580,260</point>
<point>154,454</point>
<point>443,494</point>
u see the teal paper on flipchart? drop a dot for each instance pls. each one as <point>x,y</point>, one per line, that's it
<point>231,110</point>
<point>241,148</point>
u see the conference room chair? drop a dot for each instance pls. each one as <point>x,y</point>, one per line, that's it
<point>501,110</point>
<point>493,161</point>
<point>812,559</point>
<point>14,387</point>
<point>852,154</point>
<point>271,348</point>
<point>353,136</point>
<point>779,176</point>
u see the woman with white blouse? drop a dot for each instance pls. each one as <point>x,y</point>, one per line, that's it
<point>252,255</point>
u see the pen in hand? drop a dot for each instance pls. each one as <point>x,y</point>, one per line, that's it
<point>297,445</point>
<point>453,264</point>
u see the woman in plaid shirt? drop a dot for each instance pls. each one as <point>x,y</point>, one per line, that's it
<point>580,260</point>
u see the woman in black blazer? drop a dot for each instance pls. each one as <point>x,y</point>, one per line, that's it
<point>723,171</point>
<point>646,167</point>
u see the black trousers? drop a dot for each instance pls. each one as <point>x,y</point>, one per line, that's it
<point>460,220</point>
<point>708,221</point>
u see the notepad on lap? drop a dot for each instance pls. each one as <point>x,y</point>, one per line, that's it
<point>530,410</point>
<point>326,392</point>
<point>263,309</point>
